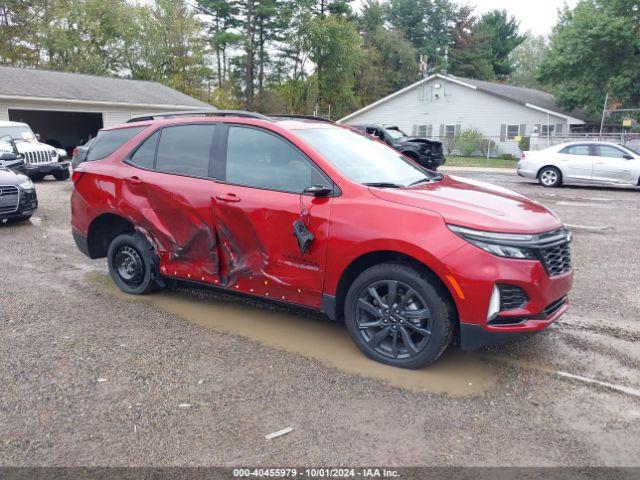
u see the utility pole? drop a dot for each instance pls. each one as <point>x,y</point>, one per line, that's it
<point>604,111</point>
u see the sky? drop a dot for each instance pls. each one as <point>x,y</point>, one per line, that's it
<point>538,16</point>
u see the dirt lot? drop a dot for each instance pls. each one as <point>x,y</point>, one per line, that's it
<point>193,377</point>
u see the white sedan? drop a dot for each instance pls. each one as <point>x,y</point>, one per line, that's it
<point>597,163</point>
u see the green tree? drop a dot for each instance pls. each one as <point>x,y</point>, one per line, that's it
<point>164,43</point>
<point>526,60</point>
<point>334,44</point>
<point>427,24</point>
<point>500,33</point>
<point>388,63</point>
<point>221,24</point>
<point>469,55</point>
<point>594,49</point>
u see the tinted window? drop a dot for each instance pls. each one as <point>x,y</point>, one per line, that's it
<point>259,159</point>
<point>577,150</point>
<point>146,153</point>
<point>605,151</point>
<point>108,141</point>
<point>185,150</point>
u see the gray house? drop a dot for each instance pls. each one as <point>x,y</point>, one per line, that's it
<point>438,106</point>
<point>68,107</point>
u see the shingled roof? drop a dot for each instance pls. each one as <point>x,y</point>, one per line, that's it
<point>527,97</point>
<point>521,95</point>
<point>46,84</point>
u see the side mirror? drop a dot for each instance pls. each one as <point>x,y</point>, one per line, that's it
<point>318,191</point>
<point>626,156</point>
<point>7,156</point>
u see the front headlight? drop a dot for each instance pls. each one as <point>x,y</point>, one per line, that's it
<point>508,245</point>
<point>54,153</point>
<point>26,185</point>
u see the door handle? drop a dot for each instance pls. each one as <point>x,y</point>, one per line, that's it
<point>133,180</point>
<point>228,197</point>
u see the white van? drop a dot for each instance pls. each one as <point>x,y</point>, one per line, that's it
<point>40,159</point>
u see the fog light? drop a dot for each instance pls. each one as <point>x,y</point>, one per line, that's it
<point>494,304</point>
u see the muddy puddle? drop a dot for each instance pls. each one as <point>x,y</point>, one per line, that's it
<point>455,373</point>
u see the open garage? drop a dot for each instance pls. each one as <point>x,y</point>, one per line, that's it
<point>66,109</point>
<point>60,129</point>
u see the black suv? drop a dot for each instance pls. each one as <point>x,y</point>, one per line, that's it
<point>427,153</point>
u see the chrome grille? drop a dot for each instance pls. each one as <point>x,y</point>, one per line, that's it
<point>9,198</point>
<point>40,156</point>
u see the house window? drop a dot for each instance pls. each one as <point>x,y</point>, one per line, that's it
<point>423,131</point>
<point>547,129</point>
<point>449,131</point>
<point>513,131</point>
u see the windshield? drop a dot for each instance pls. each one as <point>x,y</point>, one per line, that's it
<point>363,159</point>
<point>17,132</point>
<point>396,133</point>
<point>632,150</point>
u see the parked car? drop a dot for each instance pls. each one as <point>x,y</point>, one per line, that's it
<point>18,199</point>
<point>597,163</point>
<point>10,157</point>
<point>40,159</point>
<point>427,153</point>
<point>314,214</point>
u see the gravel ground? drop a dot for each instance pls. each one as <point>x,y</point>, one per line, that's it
<point>93,378</point>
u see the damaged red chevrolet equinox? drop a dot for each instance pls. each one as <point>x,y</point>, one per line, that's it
<point>311,213</point>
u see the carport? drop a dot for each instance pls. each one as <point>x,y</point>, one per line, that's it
<point>59,128</point>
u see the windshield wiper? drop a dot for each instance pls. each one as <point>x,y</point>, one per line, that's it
<point>422,180</point>
<point>383,185</point>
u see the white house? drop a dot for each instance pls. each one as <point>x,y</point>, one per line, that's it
<point>438,106</point>
<point>68,107</point>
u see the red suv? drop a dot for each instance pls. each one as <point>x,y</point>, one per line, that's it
<point>311,213</point>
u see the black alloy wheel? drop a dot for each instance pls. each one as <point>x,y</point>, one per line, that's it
<point>393,319</point>
<point>399,314</point>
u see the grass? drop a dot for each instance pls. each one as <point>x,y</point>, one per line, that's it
<point>479,162</point>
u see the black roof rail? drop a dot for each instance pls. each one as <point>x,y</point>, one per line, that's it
<point>202,112</point>
<point>302,117</point>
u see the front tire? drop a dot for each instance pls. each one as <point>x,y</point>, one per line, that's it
<point>398,316</point>
<point>37,177</point>
<point>131,261</point>
<point>550,177</point>
<point>63,175</point>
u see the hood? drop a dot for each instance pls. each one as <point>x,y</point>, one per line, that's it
<point>420,140</point>
<point>474,204</point>
<point>33,146</point>
<point>7,177</point>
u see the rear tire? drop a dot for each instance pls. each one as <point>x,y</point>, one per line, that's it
<point>550,177</point>
<point>398,316</point>
<point>132,264</point>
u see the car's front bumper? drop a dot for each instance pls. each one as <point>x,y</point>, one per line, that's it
<point>46,168</point>
<point>27,205</point>
<point>475,273</point>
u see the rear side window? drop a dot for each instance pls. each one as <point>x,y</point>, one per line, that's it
<point>145,155</point>
<point>577,150</point>
<point>185,150</point>
<point>108,141</point>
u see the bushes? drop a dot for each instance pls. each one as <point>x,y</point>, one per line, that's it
<point>468,141</point>
<point>524,144</point>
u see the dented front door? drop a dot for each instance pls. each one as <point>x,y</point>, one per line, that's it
<point>256,204</point>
